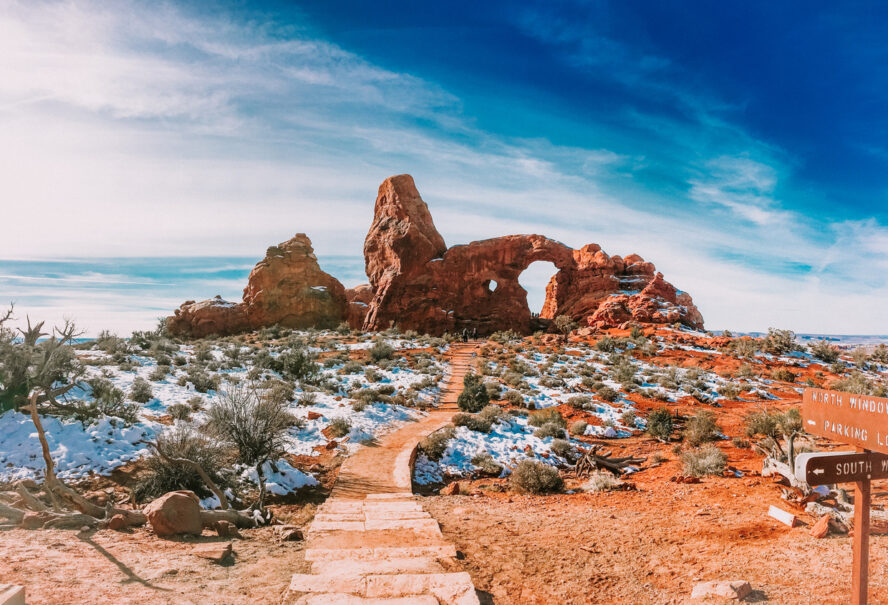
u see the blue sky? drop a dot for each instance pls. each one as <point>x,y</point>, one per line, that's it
<point>741,148</point>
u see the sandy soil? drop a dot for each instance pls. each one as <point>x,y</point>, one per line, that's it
<point>648,546</point>
<point>108,567</point>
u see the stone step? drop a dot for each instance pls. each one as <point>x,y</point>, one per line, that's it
<point>380,553</point>
<point>11,594</point>
<point>448,588</point>
<point>395,496</point>
<point>347,599</point>
<point>378,566</point>
<point>396,514</point>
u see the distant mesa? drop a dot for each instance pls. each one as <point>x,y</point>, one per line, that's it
<point>418,283</point>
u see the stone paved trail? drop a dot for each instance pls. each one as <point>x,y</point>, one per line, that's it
<point>371,542</point>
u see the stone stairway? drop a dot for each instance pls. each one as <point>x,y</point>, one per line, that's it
<point>371,542</point>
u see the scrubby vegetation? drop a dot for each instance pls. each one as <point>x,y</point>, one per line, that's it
<point>533,477</point>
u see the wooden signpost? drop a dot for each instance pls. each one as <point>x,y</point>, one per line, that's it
<point>861,421</point>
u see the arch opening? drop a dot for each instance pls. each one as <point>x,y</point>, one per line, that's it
<point>491,285</point>
<point>534,280</point>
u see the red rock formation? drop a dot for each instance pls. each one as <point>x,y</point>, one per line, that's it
<point>287,288</point>
<point>420,285</point>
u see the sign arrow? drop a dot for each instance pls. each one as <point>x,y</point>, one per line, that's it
<point>818,471</point>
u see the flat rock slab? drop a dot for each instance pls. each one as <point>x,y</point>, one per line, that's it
<point>732,589</point>
<point>347,599</point>
<point>216,552</point>
<point>378,566</point>
<point>368,554</point>
<point>10,594</point>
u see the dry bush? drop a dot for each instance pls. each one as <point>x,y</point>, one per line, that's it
<point>659,424</point>
<point>435,444</point>
<point>602,482</point>
<point>546,416</point>
<point>701,428</point>
<point>339,427</point>
<point>578,427</point>
<point>182,441</point>
<point>533,477</point>
<point>703,461</point>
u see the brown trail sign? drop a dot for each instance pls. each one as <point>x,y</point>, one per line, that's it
<point>858,420</point>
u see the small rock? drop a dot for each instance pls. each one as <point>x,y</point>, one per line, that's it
<point>331,445</point>
<point>117,522</point>
<point>226,529</point>
<point>821,528</point>
<point>287,533</point>
<point>84,529</point>
<point>736,589</point>
<point>450,490</point>
<point>217,552</point>
<point>314,415</point>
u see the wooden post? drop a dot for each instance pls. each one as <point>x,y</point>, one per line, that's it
<point>860,562</point>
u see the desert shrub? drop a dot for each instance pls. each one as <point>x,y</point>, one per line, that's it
<point>307,398</point>
<point>605,393</point>
<point>159,373</point>
<point>762,422</point>
<point>180,411</point>
<point>659,424</point>
<point>578,427</point>
<point>514,379</point>
<point>196,403</point>
<point>602,482</point>
<point>740,443</point>
<point>202,380</point>
<point>579,402</point>
<point>562,448</point>
<point>385,389</point>
<point>351,367</point>
<point>474,396</point>
<point>296,364</point>
<point>515,398</point>
<point>141,390</point>
<point>880,354</point>
<point>745,371</point>
<point>380,350</point>
<point>372,375</point>
<point>339,427</point>
<point>550,429</point>
<point>256,424</point>
<point>565,324</point>
<point>546,416</point>
<point>708,460</point>
<point>729,391</point>
<point>744,347</point>
<point>533,477</point>
<point>473,422</point>
<point>606,345</point>
<point>182,441</point>
<point>106,400</point>
<point>824,351</point>
<point>779,342</point>
<point>435,444</point>
<point>783,375</point>
<point>857,383</point>
<point>860,357</point>
<point>700,428</point>
<point>486,465</point>
<point>551,382</point>
<point>628,418</point>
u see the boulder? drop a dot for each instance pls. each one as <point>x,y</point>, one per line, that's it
<point>821,528</point>
<point>287,533</point>
<point>287,288</point>
<point>735,590</point>
<point>117,522</point>
<point>451,489</point>
<point>175,513</point>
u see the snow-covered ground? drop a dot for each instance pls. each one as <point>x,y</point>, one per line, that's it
<point>106,443</point>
